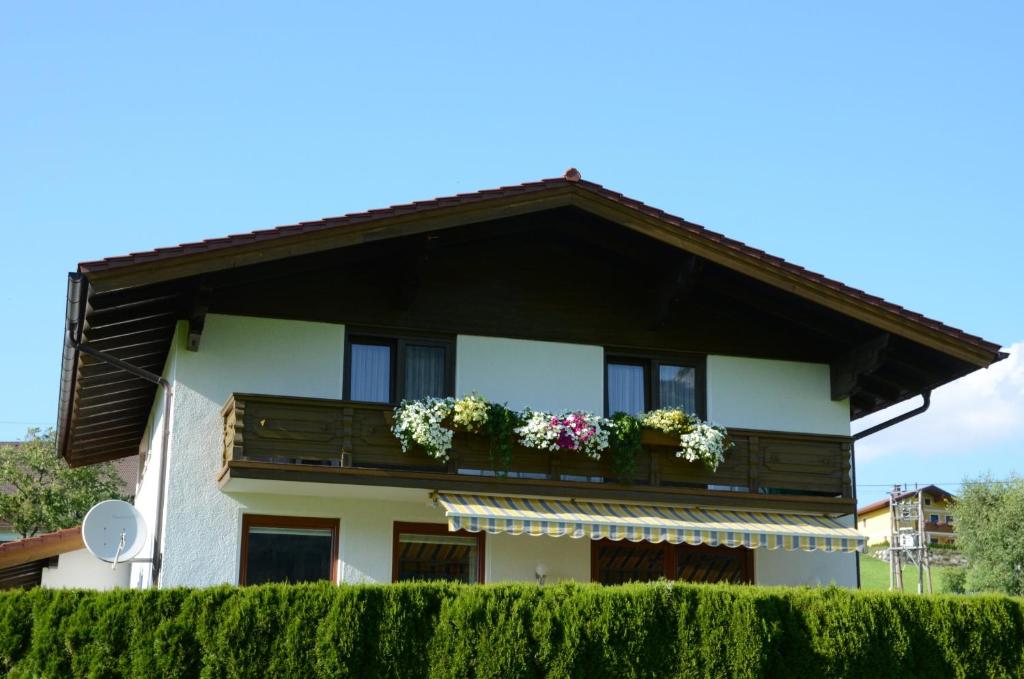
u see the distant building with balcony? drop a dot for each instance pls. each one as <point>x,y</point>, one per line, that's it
<point>267,445</point>
<point>874,521</point>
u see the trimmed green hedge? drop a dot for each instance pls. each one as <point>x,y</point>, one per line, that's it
<point>450,631</point>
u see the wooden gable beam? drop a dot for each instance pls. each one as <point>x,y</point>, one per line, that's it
<point>861,360</point>
<point>197,316</point>
<point>679,282</point>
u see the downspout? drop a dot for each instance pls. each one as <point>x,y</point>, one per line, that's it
<point>926,395</point>
<point>76,326</point>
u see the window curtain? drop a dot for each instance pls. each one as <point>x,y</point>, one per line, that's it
<point>677,387</point>
<point>371,373</point>
<point>424,371</point>
<point>625,388</point>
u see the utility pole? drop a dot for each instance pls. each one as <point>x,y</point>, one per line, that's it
<point>895,568</point>
<point>920,542</point>
<point>908,538</point>
<point>925,557</point>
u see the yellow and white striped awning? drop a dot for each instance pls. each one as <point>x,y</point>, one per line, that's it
<point>651,523</point>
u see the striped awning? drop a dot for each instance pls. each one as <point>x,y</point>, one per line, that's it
<point>651,523</point>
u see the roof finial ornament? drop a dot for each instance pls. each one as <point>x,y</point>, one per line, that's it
<point>572,175</point>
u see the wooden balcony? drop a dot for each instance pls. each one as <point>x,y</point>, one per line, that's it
<point>303,439</point>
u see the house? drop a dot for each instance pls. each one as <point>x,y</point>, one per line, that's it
<point>58,560</point>
<point>874,520</point>
<point>257,375</point>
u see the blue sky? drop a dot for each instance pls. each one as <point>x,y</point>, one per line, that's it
<point>879,143</point>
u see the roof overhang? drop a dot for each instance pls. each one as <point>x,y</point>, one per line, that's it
<point>41,547</point>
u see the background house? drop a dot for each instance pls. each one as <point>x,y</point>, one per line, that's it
<point>58,560</point>
<point>874,521</point>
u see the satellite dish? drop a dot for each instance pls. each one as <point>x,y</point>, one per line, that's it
<point>114,531</point>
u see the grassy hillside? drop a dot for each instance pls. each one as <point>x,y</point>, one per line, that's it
<point>874,575</point>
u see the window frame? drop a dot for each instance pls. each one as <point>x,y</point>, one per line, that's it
<point>278,521</point>
<point>400,527</point>
<point>651,362</point>
<point>398,343</point>
<point>670,558</point>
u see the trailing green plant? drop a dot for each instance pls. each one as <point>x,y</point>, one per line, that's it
<point>450,631</point>
<point>624,444</point>
<point>500,429</point>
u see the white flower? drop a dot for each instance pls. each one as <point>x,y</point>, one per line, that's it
<point>421,423</point>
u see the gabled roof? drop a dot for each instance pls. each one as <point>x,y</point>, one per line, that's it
<point>128,305</point>
<point>573,186</point>
<point>934,491</point>
<point>41,546</point>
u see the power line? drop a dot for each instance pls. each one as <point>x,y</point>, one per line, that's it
<point>934,483</point>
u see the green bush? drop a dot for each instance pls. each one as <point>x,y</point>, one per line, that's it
<point>954,580</point>
<point>455,631</point>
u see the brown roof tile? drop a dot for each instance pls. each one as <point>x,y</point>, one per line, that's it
<point>41,546</point>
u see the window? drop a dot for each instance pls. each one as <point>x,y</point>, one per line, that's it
<point>429,551</point>
<point>635,383</point>
<point>382,369</point>
<point>288,549</point>
<point>613,563</point>
<point>927,501</point>
<point>949,520</point>
<point>933,518</point>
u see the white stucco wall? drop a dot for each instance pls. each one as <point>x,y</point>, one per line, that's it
<point>515,558</point>
<point>146,491</point>
<point>81,570</point>
<point>241,354</point>
<point>237,354</point>
<point>775,395</point>
<point>779,567</point>
<point>541,375</point>
<point>367,517</point>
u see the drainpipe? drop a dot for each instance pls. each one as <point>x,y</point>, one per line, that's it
<point>926,395</point>
<point>76,326</point>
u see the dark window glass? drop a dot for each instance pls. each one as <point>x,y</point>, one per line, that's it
<point>278,554</point>
<point>934,518</point>
<point>619,562</point>
<point>626,388</point>
<point>710,564</point>
<point>423,556</point>
<point>424,371</point>
<point>949,520</point>
<point>634,384</point>
<point>677,387</point>
<point>370,373</point>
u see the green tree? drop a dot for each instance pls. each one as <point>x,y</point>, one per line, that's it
<point>39,492</point>
<point>989,515</point>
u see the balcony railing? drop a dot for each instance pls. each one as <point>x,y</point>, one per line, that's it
<point>335,436</point>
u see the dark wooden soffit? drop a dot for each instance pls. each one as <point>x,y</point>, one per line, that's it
<point>192,259</point>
